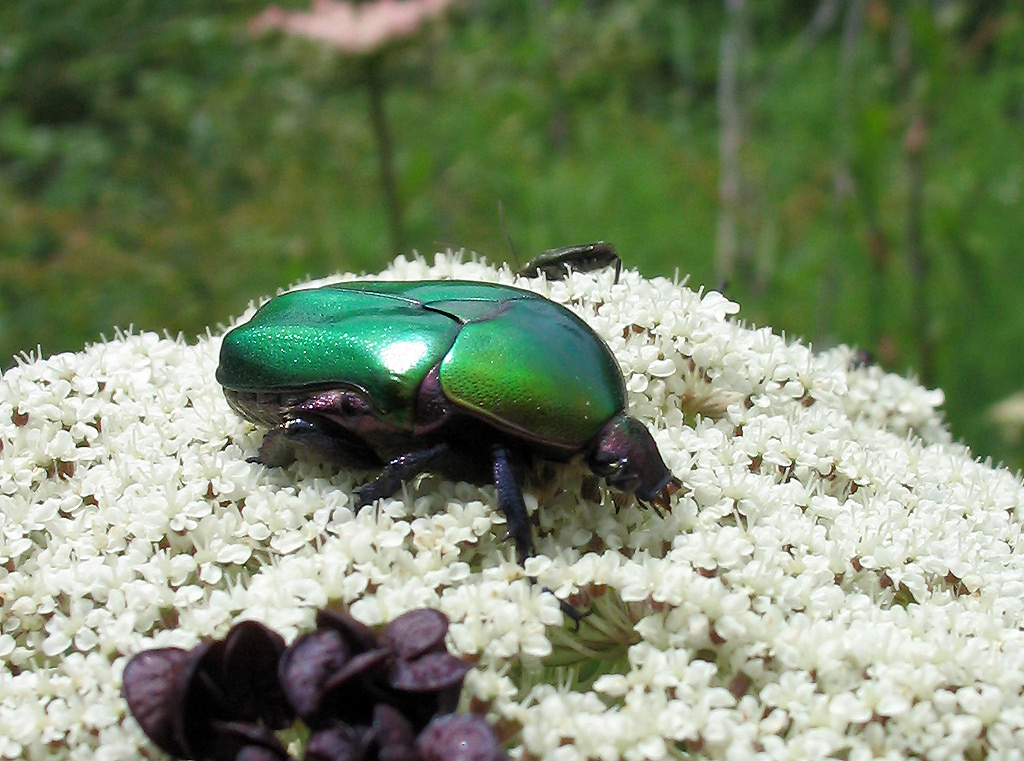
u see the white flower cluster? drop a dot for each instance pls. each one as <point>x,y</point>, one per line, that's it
<point>835,580</point>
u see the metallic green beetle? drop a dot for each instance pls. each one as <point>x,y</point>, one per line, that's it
<point>469,380</point>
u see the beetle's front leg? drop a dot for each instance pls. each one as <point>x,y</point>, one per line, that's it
<point>315,435</point>
<point>403,468</point>
<point>511,504</point>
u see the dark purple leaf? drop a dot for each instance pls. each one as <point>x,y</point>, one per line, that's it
<point>432,672</point>
<point>242,741</point>
<point>307,665</point>
<point>459,737</point>
<point>341,743</point>
<point>351,692</point>
<point>394,735</point>
<point>249,676</point>
<point>259,753</point>
<point>203,700</point>
<point>153,683</point>
<point>414,633</point>
<point>363,667</point>
<point>358,635</point>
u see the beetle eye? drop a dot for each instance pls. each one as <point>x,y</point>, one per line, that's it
<point>614,470</point>
<point>621,476</point>
<point>606,463</point>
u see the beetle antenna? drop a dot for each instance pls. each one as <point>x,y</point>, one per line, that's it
<point>508,237</point>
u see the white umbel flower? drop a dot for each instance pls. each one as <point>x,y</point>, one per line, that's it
<point>837,579</point>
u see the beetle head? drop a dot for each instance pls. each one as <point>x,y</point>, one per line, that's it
<point>625,455</point>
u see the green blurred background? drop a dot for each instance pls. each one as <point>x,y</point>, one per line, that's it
<point>852,169</point>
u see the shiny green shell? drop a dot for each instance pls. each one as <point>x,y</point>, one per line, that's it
<point>513,358</point>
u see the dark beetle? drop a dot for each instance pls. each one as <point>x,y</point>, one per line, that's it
<point>558,262</point>
<point>465,379</point>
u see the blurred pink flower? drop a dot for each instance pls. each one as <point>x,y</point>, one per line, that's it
<point>353,28</point>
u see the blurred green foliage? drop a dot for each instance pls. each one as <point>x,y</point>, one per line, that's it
<point>160,167</point>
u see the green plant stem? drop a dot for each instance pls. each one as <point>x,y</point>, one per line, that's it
<point>385,151</point>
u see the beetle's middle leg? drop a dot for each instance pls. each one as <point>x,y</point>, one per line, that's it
<point>511,504</point>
